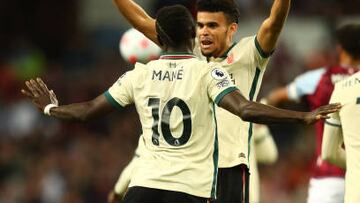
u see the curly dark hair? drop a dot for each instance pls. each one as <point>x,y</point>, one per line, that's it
<point>228,7</point>
<point>175,25</point>
<point>348,37</point>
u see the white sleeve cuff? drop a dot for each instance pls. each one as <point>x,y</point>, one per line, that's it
<point>333,122</point>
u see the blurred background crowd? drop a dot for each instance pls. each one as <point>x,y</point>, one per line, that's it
<point>73,46</point>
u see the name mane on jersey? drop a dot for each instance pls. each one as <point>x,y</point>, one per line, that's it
<point>166,75</point>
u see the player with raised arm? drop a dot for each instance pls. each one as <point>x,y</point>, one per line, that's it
<point>343,128</point>
<point>246,60</point>
<point>316,86</point>
<point>175,98</point>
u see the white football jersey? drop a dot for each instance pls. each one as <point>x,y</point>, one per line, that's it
<point>347,92</point>
<point>174,97</point>
<point>245,62</point>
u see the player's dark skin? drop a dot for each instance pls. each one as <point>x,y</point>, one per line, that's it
<point>212,25</point>
<point>234,102</point>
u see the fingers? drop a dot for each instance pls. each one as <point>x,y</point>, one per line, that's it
<point>337,105</point>
<point>331,108</point>
<point>32,89</point>
<point>53,97</point>
<point>37,87</point>
<point>327,111</point>
<point>42,85</point>
<point>52,94</point>
<point>319,117</point>
<point>26,93</point>
<point>323,111</point>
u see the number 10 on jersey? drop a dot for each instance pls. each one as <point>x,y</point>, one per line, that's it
<point>165,130</point>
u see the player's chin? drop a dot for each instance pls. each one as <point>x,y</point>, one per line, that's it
<point>207,52</point>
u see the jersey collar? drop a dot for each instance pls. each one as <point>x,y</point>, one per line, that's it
<point>227,51</point>
<point>221,58</point>
<point>177,55</point>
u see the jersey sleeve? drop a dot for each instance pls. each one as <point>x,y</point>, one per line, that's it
<point>331,149</point>
<point>218,83</point>
<point>304,84</point>
<point>120,94</point>
<point>260,52</point>
<point>259,57</point>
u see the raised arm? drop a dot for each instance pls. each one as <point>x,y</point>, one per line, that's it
<point>270,29</point>
<point>255,112</point>
<point>138,18</point>
<point>43,98</point>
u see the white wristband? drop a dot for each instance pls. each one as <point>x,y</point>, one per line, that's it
<point>48,107</point>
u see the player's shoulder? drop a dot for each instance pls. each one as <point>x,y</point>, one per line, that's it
<point>312,75</point>
<point>316,71</point>
<point>206,70</point>
<point>305,84</point>
<point>248,39</point>
<point>138,70</point>
<point>356,76</point>
<point>214,65</point>
<point>140,66</point>
<point>250,44</point>
<point>201,66</point>
<point>244,42</point>
<point>198,61</point>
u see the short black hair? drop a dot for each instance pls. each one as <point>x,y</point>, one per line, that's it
<point>228,7</point>
<point>175,25</point>
<point>348,36</point>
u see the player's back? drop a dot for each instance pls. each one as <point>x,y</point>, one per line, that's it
<point>174,98</point>
<point>348,93</point>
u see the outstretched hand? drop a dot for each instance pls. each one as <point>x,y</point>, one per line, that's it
<point>39,94</point>
<point>321,113</point>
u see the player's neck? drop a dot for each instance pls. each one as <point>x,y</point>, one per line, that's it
<point>180,49</point>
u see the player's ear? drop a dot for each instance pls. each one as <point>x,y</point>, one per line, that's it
<point>233,28</point>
